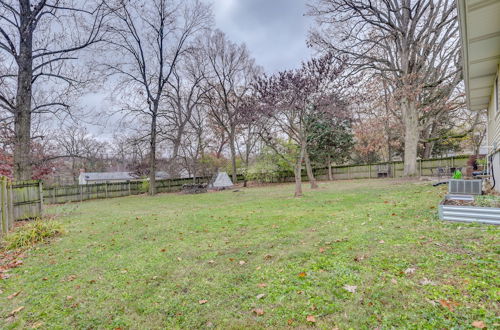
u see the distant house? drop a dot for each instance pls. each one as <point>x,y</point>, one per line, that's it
<point>480,34</point>
<point>110,177</point>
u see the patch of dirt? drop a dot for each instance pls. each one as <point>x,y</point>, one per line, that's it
<point>459,203</point>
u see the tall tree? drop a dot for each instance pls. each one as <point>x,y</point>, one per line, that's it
<point>230,73</point>
<point>330,138</point>
<point>412,44</point>
<point>35,52</point>
<point>289,98</point>
<point>148,39</point>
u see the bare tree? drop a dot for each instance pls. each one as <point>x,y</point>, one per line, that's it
<point>148,39</point>
<point>412,44</point>
<point>37,53</point>
<point>183,95</point>
<point>230,73</point>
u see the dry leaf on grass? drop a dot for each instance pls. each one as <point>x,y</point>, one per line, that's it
<point>260,296</point>
<point>15,311</point>
<point>15,294</point>
<point>311,318</point>
<point>242,262</point>
<point>302,274</point>
<point>479,324</point>
<point>350,288</point>
<point>258,311</point>
<point>449,304</point>
<point>409,270</point>
<point>203,301</point>
<point>262,285</point>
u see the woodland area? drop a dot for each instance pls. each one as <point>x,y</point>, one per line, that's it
<point>386,84</point>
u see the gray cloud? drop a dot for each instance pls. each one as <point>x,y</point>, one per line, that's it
<point>275,31</point>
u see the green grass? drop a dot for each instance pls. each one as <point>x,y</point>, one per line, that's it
<point>142,262</point>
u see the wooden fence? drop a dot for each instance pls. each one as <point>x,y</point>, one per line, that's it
<point>78,193</point>
<point>18,201</point>
<point>426,167</point>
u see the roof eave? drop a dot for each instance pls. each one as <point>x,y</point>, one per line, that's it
<point>462,14</point>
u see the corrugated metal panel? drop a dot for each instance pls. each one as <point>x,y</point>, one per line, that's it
<point>468,187</point>
<point>488,215</point>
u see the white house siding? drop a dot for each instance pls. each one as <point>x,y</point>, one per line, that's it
<point>494,130</point>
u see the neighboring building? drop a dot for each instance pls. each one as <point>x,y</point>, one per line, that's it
<point>110,177</point>
<point>480,33</point>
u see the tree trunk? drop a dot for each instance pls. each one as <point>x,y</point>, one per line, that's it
<point>22,116</point>
<point>233,156</point>
<point>298,174</point>
<point>410,121</point>
<point>330,174</point>
<point>310,174</point>
<point>152,154</point>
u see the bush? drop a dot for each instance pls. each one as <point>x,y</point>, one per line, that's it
<point>144,186</point>
<point>32,233</point>
<point>271,167</point>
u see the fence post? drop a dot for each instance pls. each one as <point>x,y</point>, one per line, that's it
<point>106,190</point>
<point>370,170</point>
<point>81,193</point>
<point>5,214</point>
<point>129,192</point>
<point>53,194</point>
<point>40,192</point>
<point>420,166</point>
<point>11,206</point>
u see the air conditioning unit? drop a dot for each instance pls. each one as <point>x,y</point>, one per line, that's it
<point>465,187</point>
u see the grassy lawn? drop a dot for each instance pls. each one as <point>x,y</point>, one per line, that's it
<point>353,254</point>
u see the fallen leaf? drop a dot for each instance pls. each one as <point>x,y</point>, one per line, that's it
<point>450,305</point>
<point>37,325</point>
<point>71,278</point>
<point>268,257</point>
<point>426,281</point>
<point>302,274</point>
<point>262,285</point>
<point>290,321</point>
<point>479,324</point>
<point>69,298</point>
<point>163,250</point>
<point>311,318</point>
<point>350,288</point>
<point>15,311</point>
<point>394,281</point>
<point>242,262</point>
<point>359,258</point>
<point>409,270</point>
<point>203,301</point>
<point>321,250</point>
<point>260,296</point>
<point>381,241</point>
<point>258,311</point>
<point>179,259</point>
<point>15,294</point>
<point>211,262</point>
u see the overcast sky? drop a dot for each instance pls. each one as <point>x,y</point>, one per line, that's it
<point>275,31</point>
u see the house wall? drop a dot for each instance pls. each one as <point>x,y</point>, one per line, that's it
<point>494,130</point>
